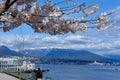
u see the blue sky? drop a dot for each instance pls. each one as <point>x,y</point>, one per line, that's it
<point>103,42</point>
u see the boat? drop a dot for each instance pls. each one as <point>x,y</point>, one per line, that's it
<point>95,63</point>
<point>118,69</point>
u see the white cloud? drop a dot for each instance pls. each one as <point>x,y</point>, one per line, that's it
<point>51,39</point>
<point>80,39</point>
<point>117,13</point>
<point>73,41</point>
<point>70,42</point>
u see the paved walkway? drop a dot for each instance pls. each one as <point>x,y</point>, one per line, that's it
<point>7,77</point>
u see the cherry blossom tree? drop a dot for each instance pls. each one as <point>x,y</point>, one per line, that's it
<point>49,18</point>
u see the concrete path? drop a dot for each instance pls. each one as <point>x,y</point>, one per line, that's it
<point>7,77</point>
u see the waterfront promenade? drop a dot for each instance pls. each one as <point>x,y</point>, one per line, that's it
<point>4,76</point>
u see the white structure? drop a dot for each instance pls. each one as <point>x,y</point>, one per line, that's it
<point>95,63</point>
<point>15,63</point>
<point>8,63</point>
<point>27,65</point>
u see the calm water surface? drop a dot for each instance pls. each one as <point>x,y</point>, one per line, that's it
<point>81,72</point>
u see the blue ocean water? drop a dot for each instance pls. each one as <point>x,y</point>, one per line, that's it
<point>80,72</point>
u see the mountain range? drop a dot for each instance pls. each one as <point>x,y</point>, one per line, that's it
<point>54,53</point>
<point>73,55</point>
<point>5,51</point>
<point>113,56</point>
<point>66,54</point>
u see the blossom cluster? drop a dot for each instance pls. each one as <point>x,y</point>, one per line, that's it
<point>49,18</point>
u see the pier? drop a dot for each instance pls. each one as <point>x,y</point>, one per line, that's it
<point>13,68</point>
<point>4,76</point>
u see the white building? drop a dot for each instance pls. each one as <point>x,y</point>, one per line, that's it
<point>8,63</point>
<point>15,63</point>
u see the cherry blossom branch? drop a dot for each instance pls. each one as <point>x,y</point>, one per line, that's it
<point>49,19</point>
<point>7,5</point>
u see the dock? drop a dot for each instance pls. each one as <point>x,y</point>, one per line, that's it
<point>4,76</point>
